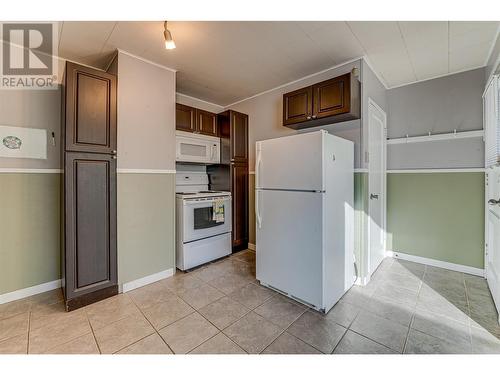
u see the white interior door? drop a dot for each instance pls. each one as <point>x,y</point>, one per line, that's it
<point>376,185</point>
<point>492,258</point>
<point>491,118</point>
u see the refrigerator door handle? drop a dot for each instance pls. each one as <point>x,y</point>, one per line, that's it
<point>257,168</point>
<point>257,210</point>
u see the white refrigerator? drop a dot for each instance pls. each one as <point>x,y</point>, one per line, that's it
<point>305,217</point>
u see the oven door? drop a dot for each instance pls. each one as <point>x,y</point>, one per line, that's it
<point>199,218</point>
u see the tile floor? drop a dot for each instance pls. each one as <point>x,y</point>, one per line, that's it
<point>221,308</point>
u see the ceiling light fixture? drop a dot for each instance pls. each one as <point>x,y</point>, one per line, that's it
<point>169,41</point>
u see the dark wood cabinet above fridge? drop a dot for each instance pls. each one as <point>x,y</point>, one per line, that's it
<point>328,102</point>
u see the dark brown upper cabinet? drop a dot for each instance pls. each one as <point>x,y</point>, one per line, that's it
<point>239,139</point>
<point>297,106</point>
<point>185,118</point>
<point>327,102</point>
<point>206,122</point>
<point>233,131</point>
<point>195,120</point>
<point>90,110</point>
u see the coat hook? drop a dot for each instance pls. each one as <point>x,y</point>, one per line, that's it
<point>406,138</point>
<point>429,134</point>
<point>455,132</point>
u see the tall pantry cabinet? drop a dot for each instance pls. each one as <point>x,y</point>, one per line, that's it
<point>232,173</point>
<point>89,255</point>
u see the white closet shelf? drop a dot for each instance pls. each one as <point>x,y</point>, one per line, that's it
<point>437,137</point>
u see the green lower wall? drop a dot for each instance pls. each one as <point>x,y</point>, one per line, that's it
<point>146,224</point>
<point>437,215</point>
<point>360,219</point>
<point>29,229</point>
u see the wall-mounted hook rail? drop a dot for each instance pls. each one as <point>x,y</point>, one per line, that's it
<point>436,137</point>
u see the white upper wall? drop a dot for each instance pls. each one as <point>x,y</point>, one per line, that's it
<point>438,106</point>
<point>146,115</point>
<point>198,103</point>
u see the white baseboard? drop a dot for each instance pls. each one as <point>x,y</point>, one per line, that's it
<point>131,285</point>
<point>28,292</point>
<point>437,263</point>
<point>251,246</point>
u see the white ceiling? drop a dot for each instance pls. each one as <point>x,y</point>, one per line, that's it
<point>223,62</point>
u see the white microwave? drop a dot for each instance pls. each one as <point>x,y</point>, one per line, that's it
<point>196,148</point>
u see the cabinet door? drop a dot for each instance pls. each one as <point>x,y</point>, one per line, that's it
<point>90,110</point>
<point>206,122</point>
<point>332,97</point>
<point>297,106</point>
<point>239,176</point>
<point>239,137</point>
<point>90,221</point>
<point>185,118</point>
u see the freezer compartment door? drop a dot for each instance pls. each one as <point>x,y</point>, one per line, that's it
<point>290,163</point>
<point>289,243</point>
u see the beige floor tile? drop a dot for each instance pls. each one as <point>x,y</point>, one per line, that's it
<point>353,343</point>
<point>149,345</point>
<point>343,313</point>
<point>223,312</point>
<point>219,344</point>
<point>82,345</point>
<point>202,296</point>
<point>151,294</point>
<point>280,311</point>
<point>228,283</point>
<point>317,331</point>
<point>182,282</point>
<point>110,310</point>
<point>421,343</point>
<point>14,326</point>
<point>48,298</point>
<point>210,271</point>
<point>383,331</point>
<point>10,309</point>
<point>187,333</point>
<point>62,330</point>
<point>253,333</point>
<point>288,344</point>
<point>46,315</point>
<point>15,345</point>
<point>164,313</point>
<point>252,295</point>
<point>247,256</point>
<point>122,333</point>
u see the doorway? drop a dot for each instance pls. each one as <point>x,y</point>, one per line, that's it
<point>377,130</point>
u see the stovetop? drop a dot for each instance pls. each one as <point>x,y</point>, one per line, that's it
<point>202,194</point>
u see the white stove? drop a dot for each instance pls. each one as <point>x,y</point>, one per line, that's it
<point>203,233</point>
